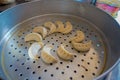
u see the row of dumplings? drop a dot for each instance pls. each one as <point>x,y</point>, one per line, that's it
<point>49,28</point>
<point>78,44</point>
<point>38,48</point>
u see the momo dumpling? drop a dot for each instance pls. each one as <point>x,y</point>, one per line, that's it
<point>46,56</point>
<point>79,37</point>
<point>63,53</point>
<point>42,30</point>
<point>51,26</point>
<point>68,28</point>
<point>82,46</point>
<point>60,26</point>
<point>33,37</point>
<point>34,50</point>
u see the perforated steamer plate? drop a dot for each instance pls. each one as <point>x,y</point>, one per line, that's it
<point>85,66</point>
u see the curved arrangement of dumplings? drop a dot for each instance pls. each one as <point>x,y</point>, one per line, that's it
<point>51,26</point>
<point>33,37</point>
<point>46,55</point>
<point>41,30</point>
<point>39,49</point>
<point>82,46</point>
<point>58,26</point>
<point>34,50</point>
<point>63,53</point>
<point>79,37</point>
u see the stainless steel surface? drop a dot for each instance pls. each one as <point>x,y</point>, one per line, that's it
<point>6,6</point>
<point>104,22</point>
<point>85,66</point>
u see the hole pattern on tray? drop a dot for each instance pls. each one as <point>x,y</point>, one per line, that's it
<point>38,69</point>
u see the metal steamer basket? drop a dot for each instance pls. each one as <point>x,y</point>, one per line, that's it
<point>98,26</point>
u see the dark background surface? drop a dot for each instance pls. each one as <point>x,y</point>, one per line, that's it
<point>6,6</point>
